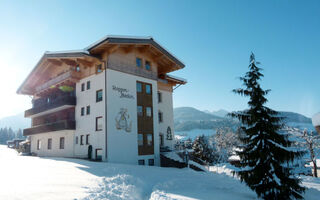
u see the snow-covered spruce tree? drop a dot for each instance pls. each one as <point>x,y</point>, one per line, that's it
<point>266,155</point>
<point>201,149</point>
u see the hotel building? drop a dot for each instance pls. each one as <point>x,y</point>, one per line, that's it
<point>111,101</point>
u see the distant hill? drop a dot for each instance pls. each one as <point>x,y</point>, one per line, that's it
<point>295,117</point>
<point>191,114</point>
<point>220,113</point>
<point>15,122</point>
<point>188,118</point>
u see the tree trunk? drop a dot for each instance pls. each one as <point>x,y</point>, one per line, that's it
<point>315,173</point>
<point>314,160</point>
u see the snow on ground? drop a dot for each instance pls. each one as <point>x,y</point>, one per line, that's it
<point>29,178</point>
<point>312,184</point>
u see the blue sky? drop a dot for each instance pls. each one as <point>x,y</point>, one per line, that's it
<point>213,38</point>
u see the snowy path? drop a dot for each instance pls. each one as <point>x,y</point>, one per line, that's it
<point>32,178</point>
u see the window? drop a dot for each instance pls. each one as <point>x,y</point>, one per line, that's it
<point>87,139</point>
<point>49,143</point>
<point>139,87</point>
<point>78,68</point>
<point>82,87</point>
<point>151,162</point>
<point>160,116</point>
<point>140,139</point>
<point>99,68</point>
<point>38,144</point>
<point>81,139</point>
<point>161,140</point>
<point>88,110</point>
<point>88,85</point>
<point>149,140</point>
<point>61,143</point>
<point>159,97</point>
<point>141,162</point>
<point>140,111</point>
<point>148,89</point>
<point>148,111</point>
<point>147,65</point>
<point>77,140</point>
<point>138,62</point>
<point>99,95</point>
<point>82,111</point>
<point>98,123</point>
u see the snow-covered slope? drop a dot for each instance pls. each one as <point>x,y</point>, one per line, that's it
<point>30,178</point>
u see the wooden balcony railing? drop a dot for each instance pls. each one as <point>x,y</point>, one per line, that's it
<point>55,126</point>
<point>132,70</point>
<point>58,102</point>
<point>69,75</point>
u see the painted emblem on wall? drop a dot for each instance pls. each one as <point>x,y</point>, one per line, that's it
<point>123,121</point>
<point>169,133</point>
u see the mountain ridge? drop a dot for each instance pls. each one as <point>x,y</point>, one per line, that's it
<point>189,118</point>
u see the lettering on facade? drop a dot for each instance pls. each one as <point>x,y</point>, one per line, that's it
<point>124,93</point>
<point>123,121</point>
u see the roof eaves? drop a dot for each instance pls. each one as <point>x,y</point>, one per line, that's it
<point>179,79</point>
<point>51,54</point>
<point>135,39</point>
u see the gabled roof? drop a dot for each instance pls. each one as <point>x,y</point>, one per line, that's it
<point>134,40</point>
<point>53,54</point>
<point>111,39</point>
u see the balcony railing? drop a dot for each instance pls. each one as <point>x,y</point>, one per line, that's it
<point>123,67</point>
<point>58,102</point>
<point>55,126</point>
<point>71,75</point>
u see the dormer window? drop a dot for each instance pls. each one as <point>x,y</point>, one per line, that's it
<point>148,65</point>
<point>138,62</point>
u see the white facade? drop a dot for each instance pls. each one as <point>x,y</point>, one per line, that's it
<point>166,108</point>
<point>122,145</point>
<point>86,124</point>
<point>67,151</point>
<point>115,145</point>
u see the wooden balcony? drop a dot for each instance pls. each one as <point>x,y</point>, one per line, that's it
<point>70,75</point>
<point>55,126</point>
<point>61,101</point>
<point>132,70</point>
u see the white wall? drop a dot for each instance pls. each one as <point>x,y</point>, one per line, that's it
<point>166,107</point>
<point>55,151</point>
<point>87,124</point>
<point>122,146</point>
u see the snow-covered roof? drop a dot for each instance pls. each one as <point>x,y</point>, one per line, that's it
<point>112,39</point>
<point>67,52</point>
<point>135,39</point>
<point>118,37</point>
<point>50,54</point>
<point>175,78</point>
<point>316,119</point>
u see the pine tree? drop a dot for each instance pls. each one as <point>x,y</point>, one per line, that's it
<point>266,156</point>
<point>201,149</point>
